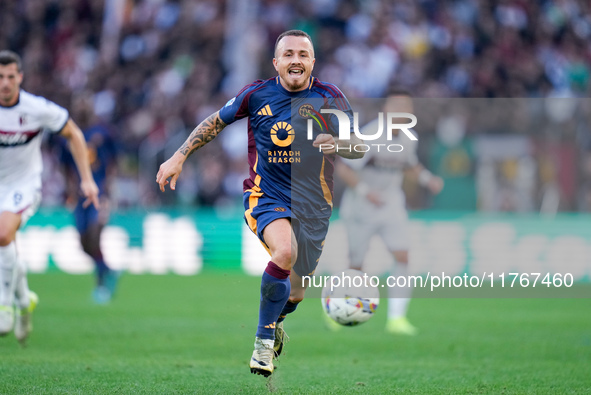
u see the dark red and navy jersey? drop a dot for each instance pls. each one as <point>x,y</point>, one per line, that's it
<point>283,163</point>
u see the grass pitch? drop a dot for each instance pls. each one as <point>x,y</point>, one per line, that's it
<point>170,334</point>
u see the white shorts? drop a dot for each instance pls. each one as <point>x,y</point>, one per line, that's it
<point>363,221</point>
<point>22,198</point>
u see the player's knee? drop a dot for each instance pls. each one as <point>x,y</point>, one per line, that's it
<point>284,257</point>
<point>296,299</point>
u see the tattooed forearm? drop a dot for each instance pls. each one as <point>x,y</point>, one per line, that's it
<point>202,134</point>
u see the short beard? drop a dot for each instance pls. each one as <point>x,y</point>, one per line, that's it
<point>294,87</point>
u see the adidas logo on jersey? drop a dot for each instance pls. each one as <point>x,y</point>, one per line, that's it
<point>265,111</point>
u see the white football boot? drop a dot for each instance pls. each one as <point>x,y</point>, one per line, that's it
<point>262,357</point>
<point>24,319</point>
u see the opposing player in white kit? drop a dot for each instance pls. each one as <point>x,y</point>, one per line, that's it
<point>23,118</point>
<point>374,204</point>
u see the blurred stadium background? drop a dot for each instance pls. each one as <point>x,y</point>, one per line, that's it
<point>149,71</point>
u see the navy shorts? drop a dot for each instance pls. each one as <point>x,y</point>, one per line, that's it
<point>309,232</point>
<point>85,216</point>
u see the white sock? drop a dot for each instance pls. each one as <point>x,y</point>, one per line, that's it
<point>8,274</point>
<point>399,297</point>
<point>268,342</point>
<point>22,286</point>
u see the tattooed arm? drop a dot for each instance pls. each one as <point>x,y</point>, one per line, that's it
<point>201,135</point>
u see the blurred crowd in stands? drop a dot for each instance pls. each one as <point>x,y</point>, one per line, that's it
<point>151,70</point>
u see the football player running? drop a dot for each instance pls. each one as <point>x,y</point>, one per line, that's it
<point>23,118</point>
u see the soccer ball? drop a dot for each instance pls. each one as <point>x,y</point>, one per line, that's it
<point>353,301</point>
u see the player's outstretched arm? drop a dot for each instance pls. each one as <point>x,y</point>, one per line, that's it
<point>79,150</point>
<point>430,181</point>
<point>201,135</point>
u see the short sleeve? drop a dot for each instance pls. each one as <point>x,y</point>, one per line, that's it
<point>237,107</point>
<point>53,117</point>
<point>338,101</point>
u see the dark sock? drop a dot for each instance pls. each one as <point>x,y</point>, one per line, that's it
<point>101,271</point>
<point>287,309</point>
<point>275,289</point>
